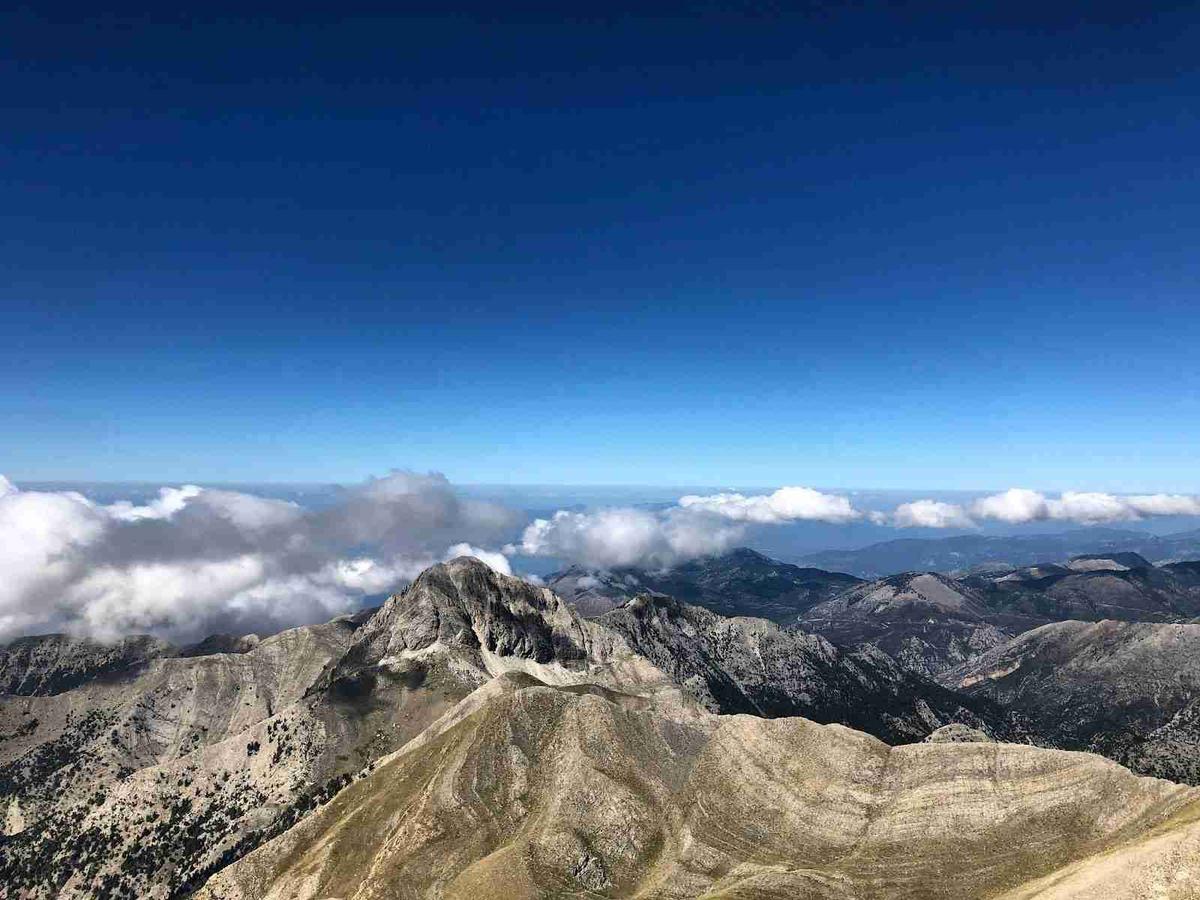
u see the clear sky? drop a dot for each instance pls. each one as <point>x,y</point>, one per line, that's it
<point>894,245</point>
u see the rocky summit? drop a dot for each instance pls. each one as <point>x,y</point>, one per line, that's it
<point>477,736</point>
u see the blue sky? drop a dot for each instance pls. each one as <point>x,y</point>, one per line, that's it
<point>929,248</point>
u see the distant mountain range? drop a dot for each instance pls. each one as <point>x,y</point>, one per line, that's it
<point>742,582</point>
<point>966,553</point>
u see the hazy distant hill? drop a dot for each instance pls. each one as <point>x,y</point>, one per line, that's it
<point>741,582</point>
<point>966,552</point>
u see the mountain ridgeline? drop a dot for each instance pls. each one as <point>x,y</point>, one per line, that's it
<point>479,735</point>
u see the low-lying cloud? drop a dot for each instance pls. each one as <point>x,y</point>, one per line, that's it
<point>926,514</point>
<point>696,526</point>
<point>788,504</point>
<point>195,560</point>
<point>1019,506</point>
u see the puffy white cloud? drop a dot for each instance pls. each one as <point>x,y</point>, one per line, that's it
<point>696,526</point>
<point>1014,505</point>
<point>169,501</point>
<point>927,514</point>
<point>788,504</point>
<point>1018,506</point>
<point>1149,505</point>
<point>497,561</point>
<point>41,537</point>
<point>610,538</point>
<point>195,560</point>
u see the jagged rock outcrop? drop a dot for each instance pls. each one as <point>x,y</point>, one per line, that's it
<point>1127,690</point>
<point>741,582</point>
<point>925,621</point>
<point>745,665</point>
<point>53,663</point>
<point>536,791</point>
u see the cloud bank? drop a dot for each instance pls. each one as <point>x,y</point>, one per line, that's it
<point>696,526</point>
<point>1019,506</point>
<point>195,560</point>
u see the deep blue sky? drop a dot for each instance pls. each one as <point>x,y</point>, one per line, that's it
<point>906,245</point>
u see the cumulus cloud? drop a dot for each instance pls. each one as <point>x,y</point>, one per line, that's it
<point>609,538</point>
<point>195,560</point>
<point>497,561</point>
<point>788,504</point>
<point>1019,506</point>
<point>928,514</point>
<point>696,526</point>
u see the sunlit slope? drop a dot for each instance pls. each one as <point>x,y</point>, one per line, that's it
<point>537,791</point>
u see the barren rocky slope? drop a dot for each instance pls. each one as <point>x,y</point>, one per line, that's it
<point>53,663</point>
<point>534,791</point>
<point>745,665</point>
<point>1128,690</point>
<point>927,622</point>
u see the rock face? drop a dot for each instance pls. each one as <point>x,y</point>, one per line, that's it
<point>742,582</point>
<point>744,665</point>
<point>928,622</point>
<point>535,791</point>
<point>53,663</point>
<point>144,782</point>
<point>1130,691</point>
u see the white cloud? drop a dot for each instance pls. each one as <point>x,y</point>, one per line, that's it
<point>170,501</point>
<point>1149,505</point>
<point>696,526</point>
<point>195,560</point>
<point>497,561</point>
<point>788,504</point>
<point>1019,506</point>
<point>927,514</point>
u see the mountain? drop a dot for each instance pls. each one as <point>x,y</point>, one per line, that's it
<point>1127,690</point>
<point>744,665</point>
<point>963,553</point>
<point>529,790</point>
<point>1092,587</point>
<point>147,782</point>
<point>931,622</point>
<point>477,736</point>
<point>52,663</point>
<point>145,778</point>
<point>926,621</point>
<point>741,582</point>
